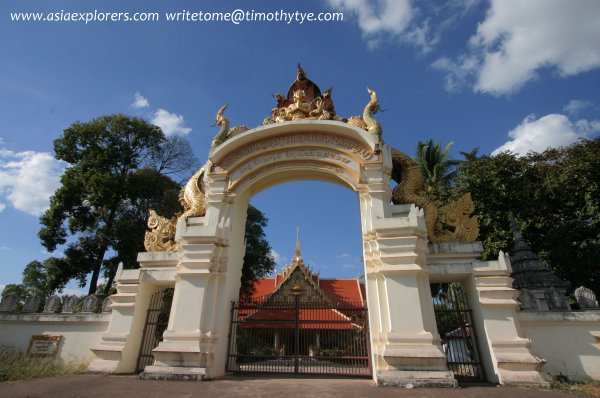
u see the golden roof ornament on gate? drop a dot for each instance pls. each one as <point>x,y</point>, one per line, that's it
<point>452,222</point>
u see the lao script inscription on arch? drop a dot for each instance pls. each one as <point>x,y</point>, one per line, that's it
<point>342,143</point>
<point>320,157</point>
<point>252,177</point>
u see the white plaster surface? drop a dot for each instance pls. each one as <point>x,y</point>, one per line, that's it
<point>79,331</point>
<point>569,341</point>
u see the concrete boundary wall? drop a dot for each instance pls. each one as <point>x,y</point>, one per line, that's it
<point>569,341</point>
<point>80,332</point>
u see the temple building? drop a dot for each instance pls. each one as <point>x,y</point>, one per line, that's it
<point>300,322</point>
<point>298,277</point>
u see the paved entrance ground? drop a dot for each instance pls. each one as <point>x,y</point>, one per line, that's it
<point>101,386</point>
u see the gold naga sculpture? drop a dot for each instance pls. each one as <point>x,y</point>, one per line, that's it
<point>160,235</point>
<point>225,132</point>
<point>449,223</point>
<point>367,121</point>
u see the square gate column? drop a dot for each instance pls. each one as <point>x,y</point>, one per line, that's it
<point>187,351</point>
<point>494,304</point>
<point>118,349</point>
<point>403,329</point>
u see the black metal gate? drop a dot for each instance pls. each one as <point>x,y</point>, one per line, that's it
<point>455,325</point>
<point>299,337</point>
<point>157,319</point>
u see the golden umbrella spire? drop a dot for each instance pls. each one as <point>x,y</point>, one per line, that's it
<point>297,241</point>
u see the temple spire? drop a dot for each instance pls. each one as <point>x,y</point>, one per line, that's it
<point>297,241</point>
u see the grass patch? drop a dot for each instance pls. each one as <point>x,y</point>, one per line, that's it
<point>591,387</point>
<point>15,365</point>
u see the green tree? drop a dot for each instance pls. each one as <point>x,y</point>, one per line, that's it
<point>17,288</point>
<point>37,281</point>
<point>555,197</point>
<point>258,260</point>
<point>437,168</point>
<point>112,179</point>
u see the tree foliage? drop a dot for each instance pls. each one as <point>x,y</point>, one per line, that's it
<point>40,279</point>
<point>258,260</point>
<point>113,178</point>
<point>436,166</point>
<point>555,197</point>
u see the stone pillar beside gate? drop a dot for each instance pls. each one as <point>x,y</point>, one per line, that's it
<point>120,344</point>
<point>406,344</point>
<point>194,344</point>
<point>494,304</point>
<point>505,355</point>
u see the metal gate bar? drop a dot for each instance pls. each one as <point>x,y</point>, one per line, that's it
<point>157,319</point>
<point>455,325</point>
<point>299,337</point>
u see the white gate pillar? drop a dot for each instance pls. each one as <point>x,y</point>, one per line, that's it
<point>405,342</point>
<point>194,333</point>
<point>494,304</point>
<point>119,347</point>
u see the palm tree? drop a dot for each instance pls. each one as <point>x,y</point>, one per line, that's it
<point>437,168</point>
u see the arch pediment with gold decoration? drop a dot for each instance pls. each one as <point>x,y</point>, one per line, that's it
<point>313,149</point>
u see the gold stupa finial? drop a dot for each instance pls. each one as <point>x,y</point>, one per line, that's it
<point>297,241</point>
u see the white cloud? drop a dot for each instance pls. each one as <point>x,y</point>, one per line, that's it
<point>343,255</point>
<point>4,248</point>
<point>276,256</point>
<point>2,207</point>
<point>139,101</point>
<point>73,292</point>
<point>457,72</point>
<point>170,123</point>
<point>386,18</point>
<point>28,179</point>
<point>550,131</point>
<point>575,107</point>
<point>401,20</point>
<point>349,265</point>
<point>279,259</point>
<point>519,38</point>
<point>391,16</point>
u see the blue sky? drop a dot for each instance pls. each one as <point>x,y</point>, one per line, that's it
<point>494,74</point>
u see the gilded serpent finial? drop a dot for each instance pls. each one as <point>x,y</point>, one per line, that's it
<point>223,122</point>
<point>373,126</point>
<point>225,132</point>
<point>367,121</point>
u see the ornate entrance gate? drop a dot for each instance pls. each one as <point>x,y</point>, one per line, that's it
<point>157,319</point>
<point>201,254</point>
<point>299,337</point>
<point>455,325</point>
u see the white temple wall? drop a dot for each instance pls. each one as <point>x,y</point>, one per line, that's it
<point>569,341</point>
<point>80,332</point>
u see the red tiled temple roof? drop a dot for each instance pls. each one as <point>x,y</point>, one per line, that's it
<point>338,290</point>
<point>342,290</point>
<point>326,303</point>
